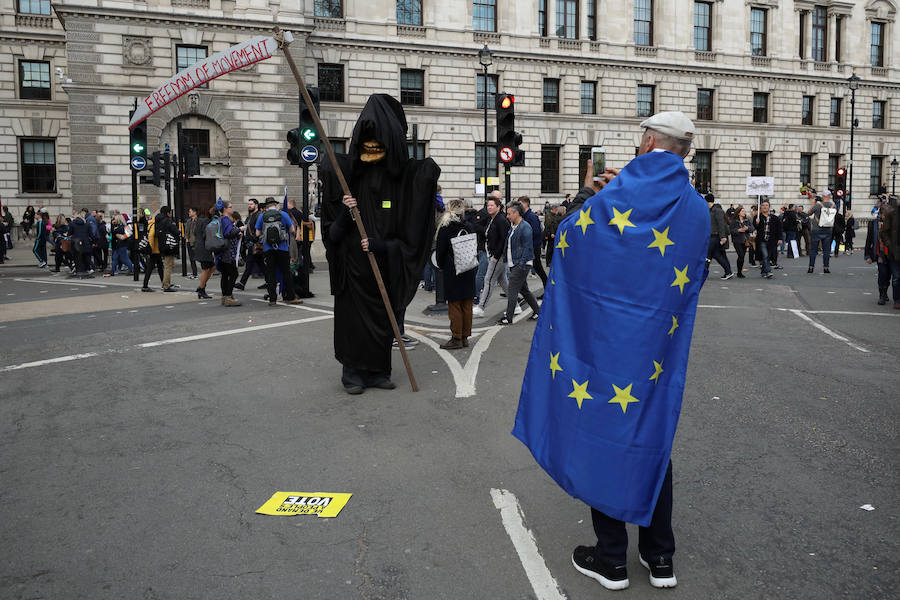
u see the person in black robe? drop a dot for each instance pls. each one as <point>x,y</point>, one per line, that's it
<point>395,198</point>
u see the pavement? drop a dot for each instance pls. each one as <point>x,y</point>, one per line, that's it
<point>141,432</point>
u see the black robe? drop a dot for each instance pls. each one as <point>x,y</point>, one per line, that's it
<point>396,199</point>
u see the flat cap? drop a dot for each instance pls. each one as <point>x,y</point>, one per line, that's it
<point>673,123</point>
<point>825,193</point>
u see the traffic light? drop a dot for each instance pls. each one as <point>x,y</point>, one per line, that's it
<point>293,138</point>
<point>840,180</point>
<point>508,139</point>
<point>155,167</point>
<point>309,133</point>
<point>138,141</point>
<point>191,161</point>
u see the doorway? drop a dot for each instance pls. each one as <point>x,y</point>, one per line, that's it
<point>200,195</point>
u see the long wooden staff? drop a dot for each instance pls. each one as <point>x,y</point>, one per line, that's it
<point>283,44</point>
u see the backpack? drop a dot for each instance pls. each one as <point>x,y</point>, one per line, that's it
<point>214,240</point>
<point>273,229</point>
<point>826,217</point>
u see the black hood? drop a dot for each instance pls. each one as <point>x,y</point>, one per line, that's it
<point>382,119</point>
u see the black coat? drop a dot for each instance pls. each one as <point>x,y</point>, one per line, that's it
<point>456,287</point>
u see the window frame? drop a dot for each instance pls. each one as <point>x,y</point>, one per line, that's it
<point>806,175</point>
<point>819,45</point>
<point>648,21</point>
<point>591,16</point>
<point>554,105</point>
<point>878,117</point>
<point>802,37</point>
<point>703,184</point>
<point>198,137</point>
<point>834,112</point>
<point>420,145</point>
<point>563,13</point>
<point>705,113</point>
<point>489,17</point>
<point>761,113</point>
<point>834,161</point>
<point>754,167</point>
<point>807,114</point>
<point>412,96</point>
<point>43,93</point>
<point>493,166</point>
<point>542,17</point>
<point>23,166</point>
<point>327,94</point>
<point>880,46</point>
<point>762,35</point>
<point>838,37</point>
<point>409,15</point>
<point>179,47</point>
<point>479,90</point>
<point>550,184</point>
<point>652,108</point>
<point>328,9</point>
<point>707,28</point>
<point>875,180</point>
<point>592,86</point>
<point>40,3</point>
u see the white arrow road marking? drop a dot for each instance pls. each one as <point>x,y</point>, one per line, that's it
<point>542,581</point>
<point>821,327</point>
<point>463,376</point>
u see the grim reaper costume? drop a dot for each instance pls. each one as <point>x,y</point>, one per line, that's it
<point>395,197</point>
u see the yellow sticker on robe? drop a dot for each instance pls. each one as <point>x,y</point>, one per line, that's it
<point>385,204</point>
<point>288,504</point>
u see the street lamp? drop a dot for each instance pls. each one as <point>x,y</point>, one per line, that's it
<point>854,84</point>
<point>485,58</point>
<point>894,177</point>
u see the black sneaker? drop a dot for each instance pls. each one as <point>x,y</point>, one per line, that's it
<point>239,286</point>
<point>586,562</point>
<point>662,573</point>
<point>504,321</point>
<point>408,343</point>
<point>726,276</point>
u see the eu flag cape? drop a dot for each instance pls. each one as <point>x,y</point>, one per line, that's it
<point>602,391</point>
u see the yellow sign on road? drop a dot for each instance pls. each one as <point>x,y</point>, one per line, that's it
<point>288,504</point>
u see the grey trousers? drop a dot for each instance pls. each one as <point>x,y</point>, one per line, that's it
<point>518,284</point>
<point>495,274</point>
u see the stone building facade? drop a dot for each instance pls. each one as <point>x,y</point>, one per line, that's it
<point>766,81</point>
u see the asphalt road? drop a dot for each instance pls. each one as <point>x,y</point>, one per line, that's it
<point>135,471</point>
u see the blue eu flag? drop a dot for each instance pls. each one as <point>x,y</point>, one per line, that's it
<point>602,391</point>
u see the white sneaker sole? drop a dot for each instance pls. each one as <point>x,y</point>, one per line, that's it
<point>607,583</point>
<point>659,582</point>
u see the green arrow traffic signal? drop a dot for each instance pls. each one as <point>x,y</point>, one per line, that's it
<point>137,148</point>
<point>309,134</point>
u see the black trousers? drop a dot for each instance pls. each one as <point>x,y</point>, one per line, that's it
<point>250,261</point>
<point>153,260</point>
<point>282,260</point>
<point>193,261</point>
<point>229,273</point>
<point>717,253</point>
<point>654,541</point>
<point>741,252</point>
<point>539,267</point>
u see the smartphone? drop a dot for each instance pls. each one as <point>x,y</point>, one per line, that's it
<point>598,158</point>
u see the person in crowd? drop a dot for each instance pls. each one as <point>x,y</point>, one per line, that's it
<point>876,252</point>
<point>729,214</point>
<point>821,222</point>
<point>789,226</point>
<point>62,245</point>
<point>190,235</point>
<point>41,236</point>
<point>101,249</point>
<point>751,254</point>
<point>520,258</point>
<point>27,223</point>
<point>741,228</point>
<point>890,237</point>
<point>551,222</point>
<point>166,231</point>
<point>837,233</point>
<point>802,229</point>
<point>537,235</point>
<point>478,221</point>
<point>275,228</point>
<point>459,289</point>
<point>203,255</point>
<point>495,233</point>
<point>154,259</point>
<point>120,247</point>
<point>768,233</point>
<point>849,233</point>
<point>253,259</point>
<point>718,237</point>
<point>4,239</point>
<point>226,260</point>
<point>90,218</point>
<point>80,234</point>
<point>565,203</point>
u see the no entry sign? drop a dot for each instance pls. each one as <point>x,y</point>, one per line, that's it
<point>506,154</point>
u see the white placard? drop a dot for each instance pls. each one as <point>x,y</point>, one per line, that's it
<point>760,186</point>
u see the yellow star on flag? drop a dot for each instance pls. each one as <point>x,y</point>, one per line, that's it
<point>674,325</point>
<point>579,392</point>
<point>584,219</point>
<point>562,245</point>
<point>623,397</point>
<point>554,362</point>
<point>657,366</point>
<point>662,240</point>
<point>681,278</point>
<point>620,220</point>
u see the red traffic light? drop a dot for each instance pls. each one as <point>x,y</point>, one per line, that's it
<point>841,171</point>
<point>507,101</point>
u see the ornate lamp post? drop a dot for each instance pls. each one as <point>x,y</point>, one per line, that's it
<point>894,177</point>
<point>485,58</point>
<point>854,85</point>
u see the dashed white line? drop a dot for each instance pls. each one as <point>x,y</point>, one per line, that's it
<point>542,581</point>
<point>214,334</point>
<point>824,329</point>
<point>49,361</point>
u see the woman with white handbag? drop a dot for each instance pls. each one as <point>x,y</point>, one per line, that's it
<point>457,259</point>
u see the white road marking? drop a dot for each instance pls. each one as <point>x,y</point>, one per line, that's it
<point>464,377</point>
<point>841,312</point>
<point>298,306</point>
<point>97,285</point>
<point>542,581</point>
<point>824,329</point>
<point>214,334</point>
<point>49,361</point>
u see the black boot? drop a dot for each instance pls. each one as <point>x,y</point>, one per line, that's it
<point>882,296</point>
<point>202,295</point>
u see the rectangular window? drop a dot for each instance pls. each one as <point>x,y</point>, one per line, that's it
<point>549,169</point>
<point>551,95</point>
<point>877,45</point>
<point>412,87</point>
<point>338,145</point>
<point>838,36</point>
<point>34,79</point>
<point>38,166</point>
<point>758,31</point>
<point>705,105</point>
<point>330,9</point>
<point>418,152</point>
<point>643,22</point>
<point>491,91</point>
<point>331,83</point>
<point>807,111</point>
<point>34,7</point>
<point>820,34</point>
<point>703,26</point>
<point>875,173</point>
<point>703,171</point>
<point>542,17</point>
<point>185,56</point>
<point>758,164</point>
<point>834,161</point>
<point>760,107</point>
<point>492,169</point>
<point>567,19</point>
<point>484,15</point>
<point>409,12</point>
<point>802,36</point>
<point>645,104</point>
<point>592,19</point>
<point>878,114</point>
<point>588,97</point>
<point>805,168</point>
<point>835,117</point>
<point>199,139</point>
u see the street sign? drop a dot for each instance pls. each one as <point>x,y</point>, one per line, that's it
<point>138,163</point>
<point>506,154</point>
<point>309,153</point>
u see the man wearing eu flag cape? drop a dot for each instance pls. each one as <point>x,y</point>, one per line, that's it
<point>602,391</point>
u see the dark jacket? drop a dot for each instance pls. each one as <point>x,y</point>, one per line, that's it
<point>740,237</point>
<point>520,244</point>
<point>888,234</point>
<point>495,237</point>
<point>789,221</point>
<point>200,251</point>
<point>476,221</point>
<point>551,223</point>
<point>536,230</point>
<point>92,227</point>
<point>456,287</point>
<point>579,199</point>
<point>718,229</point>
<point>165,225</point>
<point>78,230</point>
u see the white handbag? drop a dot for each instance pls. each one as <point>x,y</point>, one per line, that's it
<point>465,251</point>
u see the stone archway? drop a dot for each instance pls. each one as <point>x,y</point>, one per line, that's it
<point>215,161</point>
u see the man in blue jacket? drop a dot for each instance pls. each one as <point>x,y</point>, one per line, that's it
<point>537,237</point>
<point>520,257</point>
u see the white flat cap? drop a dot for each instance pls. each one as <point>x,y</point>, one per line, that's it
<point>673,123</point>
<point>825,193</point>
